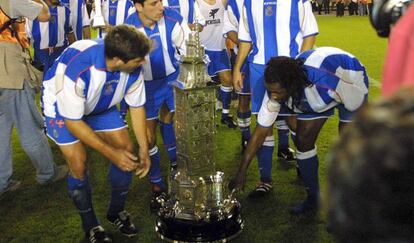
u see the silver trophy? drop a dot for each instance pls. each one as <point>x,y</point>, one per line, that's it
<point>98,19</point>
<point>200,207</point>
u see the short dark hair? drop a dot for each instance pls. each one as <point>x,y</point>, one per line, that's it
<point>289,74</point>
<point>139,1</point>
<point>126,43</point>
<point>371,175</point>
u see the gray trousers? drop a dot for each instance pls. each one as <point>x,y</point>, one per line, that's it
<point>18,109</point>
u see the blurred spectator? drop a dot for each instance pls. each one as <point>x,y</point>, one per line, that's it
<point>399,63</point>
<point>340,8</point>
<point>326,6</point>
<point>370,176</point>
<point>369,6</point>
<point>320,4</point>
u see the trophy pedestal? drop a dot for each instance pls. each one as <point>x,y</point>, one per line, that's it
<point>214,230</point>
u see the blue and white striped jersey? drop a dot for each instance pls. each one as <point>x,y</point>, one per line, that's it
<point>52,33</point>
<point>188,9</point>
<point>115,12</point>
<point>80,17</point>
<point>167,35</point>
<point>337,77</point>
<point>276,28</point>
<point>80,84</point>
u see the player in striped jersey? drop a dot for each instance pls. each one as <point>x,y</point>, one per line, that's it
<point>49,39</point>
<point>114,12</point>
<point>80,18</point>
<point>268,28</point>
<point>312,86</point>
<point>188,9</point>
<point>167,30</point>
<point>212,38</point>
<point>230,29</point>
<point>80,94</point>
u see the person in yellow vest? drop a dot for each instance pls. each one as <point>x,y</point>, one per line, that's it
<point>17,96</point>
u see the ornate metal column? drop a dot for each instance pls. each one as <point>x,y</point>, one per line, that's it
<point>200,207</point>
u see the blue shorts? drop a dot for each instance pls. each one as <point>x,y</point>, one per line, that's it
<point>219,62</point>
<point>109,120</point>
<point>159,92</point>
<point>246,80</point>
<point>258,90</point>
<point>344,114</point>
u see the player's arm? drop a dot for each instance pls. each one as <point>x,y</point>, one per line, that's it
<point>86,32</point>
<point>122,158</point>
<point>244,50</point>
<point>308,43</point>
<point>233,37</point>
<point>44,14</point>
<point>138,119</point>
<point>253,146</point>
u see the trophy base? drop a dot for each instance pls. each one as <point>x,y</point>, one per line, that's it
<point>215,230</point>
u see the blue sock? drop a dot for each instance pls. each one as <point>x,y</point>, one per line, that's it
<point>80,192</point>
<point>264,157</point>
<point>308,165</point>
<point>120,181</point>
<point>244,120</point>
<point>168,136</point>
<point>283,134</point>
<point>226,99</point>
<point>155,169</point>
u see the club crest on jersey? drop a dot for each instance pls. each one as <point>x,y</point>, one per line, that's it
<point>269,10</point>
<point>108,90</point>
<point>112,12</point>
<point>52,19</point>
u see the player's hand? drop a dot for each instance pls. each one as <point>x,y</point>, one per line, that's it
<point>237,79</point>
<point>144,163</point>
<point>125,160</point>
<point>238,182</point>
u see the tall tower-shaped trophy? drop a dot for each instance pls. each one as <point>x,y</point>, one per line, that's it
<point>200,207</point>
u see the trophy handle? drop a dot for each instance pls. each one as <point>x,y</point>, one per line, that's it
<point>98,19</point>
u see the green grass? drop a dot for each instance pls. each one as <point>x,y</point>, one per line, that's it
<point>46,214</point>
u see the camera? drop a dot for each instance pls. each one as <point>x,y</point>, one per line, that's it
<point>386,13</point>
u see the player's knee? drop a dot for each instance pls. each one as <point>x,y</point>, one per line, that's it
<point>304,143</point>
<point>77,169</point>
<point>167,118</point>
<point>151,139</point>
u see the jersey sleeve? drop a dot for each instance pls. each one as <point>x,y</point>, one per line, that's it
<point>244,33</point>
<point>268,112</point>
<point>180,34</point>
<point>135,95</point>
<point>70,97</point>
<point>85,17</point>
<point>230,21</point>
<point>308,22</point>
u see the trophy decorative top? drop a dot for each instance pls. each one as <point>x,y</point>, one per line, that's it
<point>193,72</point>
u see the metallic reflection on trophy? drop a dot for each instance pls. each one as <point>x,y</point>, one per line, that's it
<point>98,19</point>
<point>200,207</point>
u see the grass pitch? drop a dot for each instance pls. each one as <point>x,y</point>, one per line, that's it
<point>46,214</point>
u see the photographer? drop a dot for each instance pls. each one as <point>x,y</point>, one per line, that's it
<point>17,96</point>
<point>370,181</point>
<point>398,69</point>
